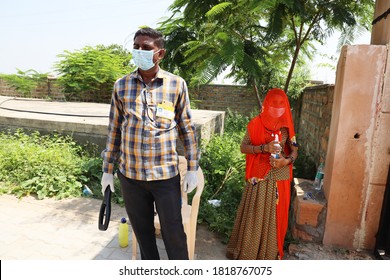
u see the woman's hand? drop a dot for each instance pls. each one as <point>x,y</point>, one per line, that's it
<point>278,162</point>
<point>273,147</point>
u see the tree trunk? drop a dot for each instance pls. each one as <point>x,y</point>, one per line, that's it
<point>292,66</point>
<point>257,94</point>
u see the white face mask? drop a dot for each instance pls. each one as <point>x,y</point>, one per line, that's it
<point>143,59</point>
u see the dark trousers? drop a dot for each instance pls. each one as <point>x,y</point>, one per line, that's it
<point>139,198</point>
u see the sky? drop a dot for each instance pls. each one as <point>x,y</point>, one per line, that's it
<point>34,32</point>
<point>327,74</point>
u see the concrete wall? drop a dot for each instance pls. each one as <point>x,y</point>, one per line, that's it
<point>380,34</point>
<point>86,122</point>
<point>358,152</point>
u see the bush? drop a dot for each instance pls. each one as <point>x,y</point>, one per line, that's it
<point>48,166</point>
<point>92,70</point>
<point>224,169</point>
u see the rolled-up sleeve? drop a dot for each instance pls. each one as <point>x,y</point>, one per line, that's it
<point>187,129</point>
<point>111,152</point>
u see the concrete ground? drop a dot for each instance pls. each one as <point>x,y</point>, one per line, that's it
<point>67,229</point>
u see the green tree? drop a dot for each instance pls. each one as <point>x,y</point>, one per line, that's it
<point>304,21</point>
<point>204,38</point>
<point>258,39</point>
<point>92,70</point>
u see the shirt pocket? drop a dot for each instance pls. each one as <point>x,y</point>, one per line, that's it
<point>164,123</point>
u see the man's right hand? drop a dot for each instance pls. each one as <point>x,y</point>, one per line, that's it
<point>107,180</point>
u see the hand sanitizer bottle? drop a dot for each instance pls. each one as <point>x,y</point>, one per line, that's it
<point>276,155</point>
<point>123,234</point>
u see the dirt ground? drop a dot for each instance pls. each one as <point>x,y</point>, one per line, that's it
<point>209,246</point>
<point>313,251</point>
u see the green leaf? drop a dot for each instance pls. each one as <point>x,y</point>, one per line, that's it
<point>218,9</point>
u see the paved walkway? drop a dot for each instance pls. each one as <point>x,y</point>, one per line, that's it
<point>57,229</point>
<point>67,229</point>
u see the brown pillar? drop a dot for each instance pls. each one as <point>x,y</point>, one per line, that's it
<point>353,182</point>
<point>380,34</point>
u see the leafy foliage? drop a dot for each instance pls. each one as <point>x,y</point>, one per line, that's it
<point>259,41</point>
<point>92,69</point>
<point>303,21</point>
<point>224,169</point>
<point>227,35</point>
<point>48,166</point>
<point>25,81</point>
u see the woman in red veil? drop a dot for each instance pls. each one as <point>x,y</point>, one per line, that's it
<point>262,217</point>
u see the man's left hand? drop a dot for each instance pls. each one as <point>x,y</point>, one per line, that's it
<point>190,181</point>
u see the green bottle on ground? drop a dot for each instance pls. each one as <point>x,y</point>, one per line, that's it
<point>123,234</point>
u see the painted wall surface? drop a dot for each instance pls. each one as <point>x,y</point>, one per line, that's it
<point>380,34</point>
<point>357,127</point>
<point>380,159</point>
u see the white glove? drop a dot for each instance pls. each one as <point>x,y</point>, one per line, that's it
<point>190,181</point>
<point>107,179</point>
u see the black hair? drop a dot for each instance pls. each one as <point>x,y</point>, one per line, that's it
<point>152,33</point>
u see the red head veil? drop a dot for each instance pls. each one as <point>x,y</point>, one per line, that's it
<point>276,114</point>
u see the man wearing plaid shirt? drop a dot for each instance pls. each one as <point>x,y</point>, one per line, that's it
<point>150,110</point>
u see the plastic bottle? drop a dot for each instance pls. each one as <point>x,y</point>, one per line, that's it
<point>123,235</point>
<point>276,155</point>
<point>87,191</point>
<point>319,177</point>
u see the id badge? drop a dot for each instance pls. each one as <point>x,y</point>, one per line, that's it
<point>165,110</point>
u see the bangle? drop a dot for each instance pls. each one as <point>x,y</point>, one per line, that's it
<point>253,149</point>
<point>292,159</point>
<point>262,148</point>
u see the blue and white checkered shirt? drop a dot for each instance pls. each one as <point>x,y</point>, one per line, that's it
<point>145,144</point>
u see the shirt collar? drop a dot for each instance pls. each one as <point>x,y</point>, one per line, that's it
<point>159,75</point>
